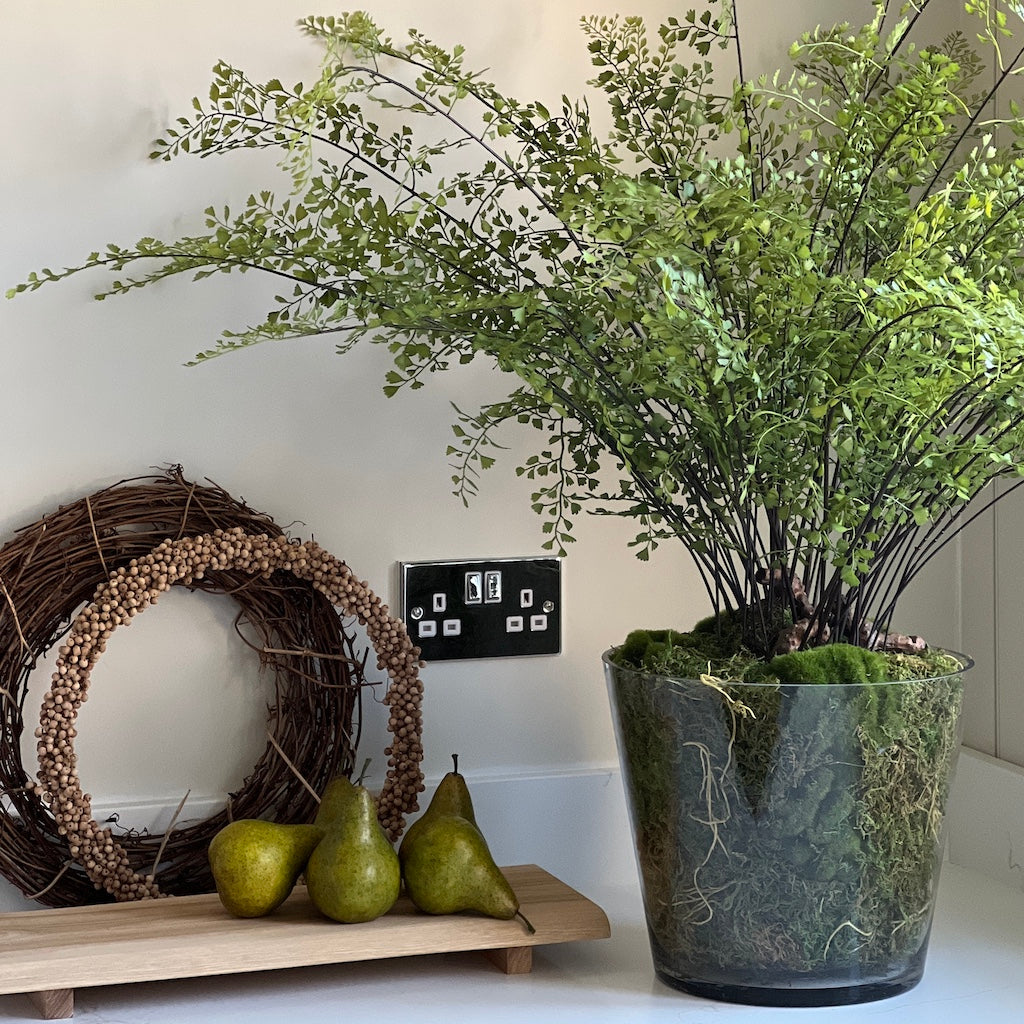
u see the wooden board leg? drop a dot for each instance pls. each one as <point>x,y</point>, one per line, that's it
<point>512,959</point>
<point>54,1003</point>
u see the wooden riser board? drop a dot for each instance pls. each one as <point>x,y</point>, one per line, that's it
<point>49,953</point>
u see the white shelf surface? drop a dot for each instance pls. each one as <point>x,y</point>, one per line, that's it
<point>974,972</point>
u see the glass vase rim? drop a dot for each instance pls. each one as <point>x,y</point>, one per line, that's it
<point>966,663</point>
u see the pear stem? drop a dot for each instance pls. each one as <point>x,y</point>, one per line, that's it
<point>363,771</point>
<point>526,921</point>
<point>455,763</point>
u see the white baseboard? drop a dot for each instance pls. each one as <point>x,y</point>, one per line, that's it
<point>985,820</point>
<point>575,824</point>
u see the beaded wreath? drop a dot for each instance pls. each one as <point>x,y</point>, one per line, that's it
<point>135,587</point>
<point>53,567</point>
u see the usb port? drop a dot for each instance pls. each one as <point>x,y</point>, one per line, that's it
<point>474,583</point>
<point>492,586</point>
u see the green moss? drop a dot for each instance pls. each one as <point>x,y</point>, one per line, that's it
<point>706,649</point>
<point>833,663</point>
<point>725,627</point>
<point>715,647</point>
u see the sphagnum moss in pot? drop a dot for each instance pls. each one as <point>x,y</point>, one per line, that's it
<point>777,320</point>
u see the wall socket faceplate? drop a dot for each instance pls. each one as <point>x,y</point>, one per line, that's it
<point>485,608</point>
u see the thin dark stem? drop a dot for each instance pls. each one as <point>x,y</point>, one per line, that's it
<point>864,185</point>
<point>893,557</point>
<point>480,140</point>
<point>411,191</point>
<point>1005,212</point>
<point>639,106</point>
<point>960,402</point>
<point>195,263</point>
<point>649,488</point>
<point>868,91</point>
<point>747,116</point>
<point>972,122</point>
<point>900,43</point>
<point>934,536</point>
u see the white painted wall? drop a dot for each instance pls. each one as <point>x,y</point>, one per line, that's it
<point>92,393</point>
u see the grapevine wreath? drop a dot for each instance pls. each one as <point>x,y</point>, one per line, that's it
<point>115,551</point>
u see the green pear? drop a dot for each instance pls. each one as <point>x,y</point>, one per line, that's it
<point>353,874</point>
<point>448,867</point>
<point>255,863</point>
<point>336,796</point>
<point>450,797</point>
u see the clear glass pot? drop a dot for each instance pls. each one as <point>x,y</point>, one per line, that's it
<point>788,837</point>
